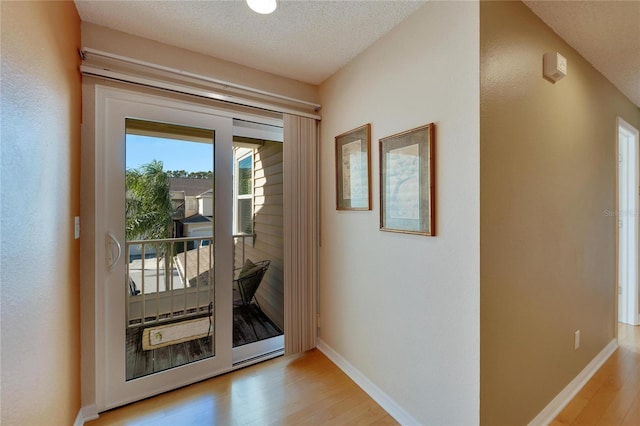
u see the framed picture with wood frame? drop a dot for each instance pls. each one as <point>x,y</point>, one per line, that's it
<point>407,182</point>
<point>353,169</point>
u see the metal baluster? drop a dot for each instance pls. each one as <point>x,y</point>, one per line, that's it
<point>197,276</point>
<point>186,280</point>
<point>142,284</point>
<point>158,285</point>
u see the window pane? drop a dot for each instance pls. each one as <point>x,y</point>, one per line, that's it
<point>245,216</point>
<point>245,175</point>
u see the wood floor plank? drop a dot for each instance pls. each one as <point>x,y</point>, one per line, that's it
<point>309,389</point>
<point>296,390</point>
<point>572,410</point>
<point>625,397</point>
<point>161,358</point>
<point>612,396</point>
<point>632,418</point>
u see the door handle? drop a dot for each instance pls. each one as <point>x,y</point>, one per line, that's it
<point>110,260</point>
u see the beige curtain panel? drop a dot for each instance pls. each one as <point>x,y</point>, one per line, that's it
<point>300,171</point>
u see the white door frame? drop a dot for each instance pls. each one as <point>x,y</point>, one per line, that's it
<point>628,194</point>
<point>109,103</point>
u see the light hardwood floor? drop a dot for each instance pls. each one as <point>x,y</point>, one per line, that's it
<point>301,389</point>
<point>612,396</point>
<point>310,389</point>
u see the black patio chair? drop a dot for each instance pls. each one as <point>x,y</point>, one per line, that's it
<point>133,288</point>
<point>247,280</point>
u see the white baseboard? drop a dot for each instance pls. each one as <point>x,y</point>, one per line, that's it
<point>388,404</point>
<point>86,414</point>
<point>549,413</point>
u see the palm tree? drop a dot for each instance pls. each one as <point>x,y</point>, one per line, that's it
<point>148,203</point>
<point>148,208</point>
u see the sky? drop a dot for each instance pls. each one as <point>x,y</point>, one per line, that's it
<point>174,154</point>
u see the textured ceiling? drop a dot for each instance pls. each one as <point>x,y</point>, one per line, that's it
<point>606,33</point>
<point>311,40</point>
<point>302,40</point>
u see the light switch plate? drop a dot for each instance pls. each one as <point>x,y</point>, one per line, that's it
<point>76,227</point>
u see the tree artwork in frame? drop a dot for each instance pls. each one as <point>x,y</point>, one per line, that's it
<point>353,169</point>
<point>407,174</point>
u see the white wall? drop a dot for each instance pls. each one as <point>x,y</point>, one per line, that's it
<point>404,309</point>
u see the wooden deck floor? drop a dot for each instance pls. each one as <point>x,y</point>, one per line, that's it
<point>250,325</point>
<point>612,396</point>
<point>300,389</point>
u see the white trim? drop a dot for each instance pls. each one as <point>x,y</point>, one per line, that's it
<point>86,414</point>
<point>87,50</point>
<point>188,90</point>
<point>628,127</point>
<point>258,120</point>
<point>378,395</point>
<point>626,255</point>
<point>209,94</point>
<point>240,154</point>
<point>549,413</point>
<point>249,129</point>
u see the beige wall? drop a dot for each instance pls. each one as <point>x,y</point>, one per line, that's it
<point>404,309</point>
<point>40,196</point>
<point>547,250</point>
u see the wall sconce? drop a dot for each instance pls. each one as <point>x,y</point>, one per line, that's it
<point>554,65</point>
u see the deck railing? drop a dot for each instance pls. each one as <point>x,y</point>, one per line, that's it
<point>171,279</point>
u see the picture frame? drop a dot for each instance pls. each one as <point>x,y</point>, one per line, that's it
<point>353,169</point>
<point>407,181</point>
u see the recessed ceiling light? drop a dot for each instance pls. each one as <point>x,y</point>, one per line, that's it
<point>262,6</point>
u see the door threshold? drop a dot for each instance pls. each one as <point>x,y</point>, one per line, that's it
<point>257,359</point>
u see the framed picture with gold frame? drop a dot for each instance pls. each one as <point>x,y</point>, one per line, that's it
<point>353,169</point>
<point>407,182</point>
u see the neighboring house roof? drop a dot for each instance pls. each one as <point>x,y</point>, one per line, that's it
<point>196,218</point>
<point>208,193</point>
<point>190,186</point>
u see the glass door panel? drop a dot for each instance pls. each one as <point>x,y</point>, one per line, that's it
<point>258,291</point>
<point>179,228</point>
<point>170,284</point>
<point>164,312</point>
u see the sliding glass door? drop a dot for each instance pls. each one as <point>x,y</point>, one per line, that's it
<point>167,296</point>
<point>189,223</point>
